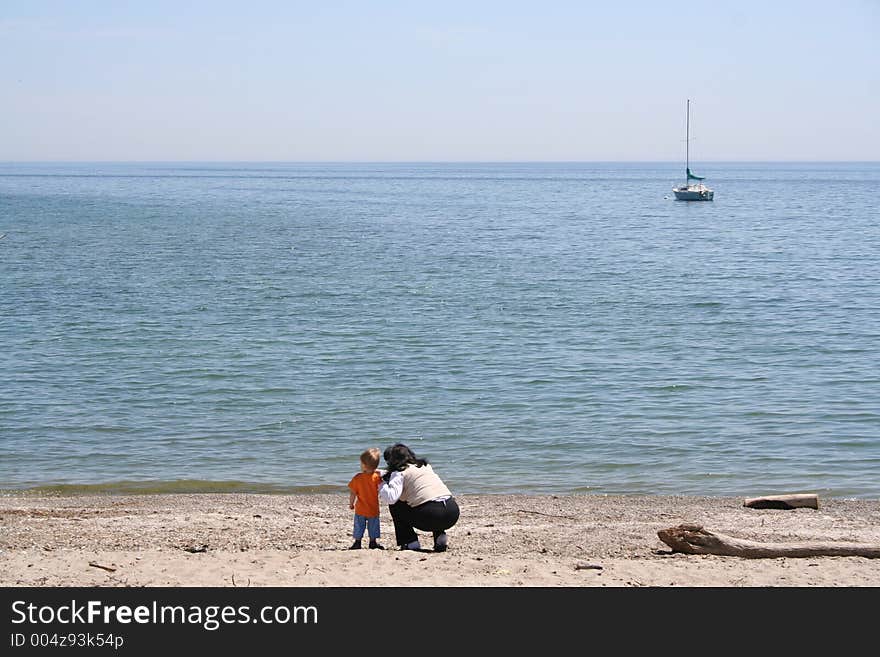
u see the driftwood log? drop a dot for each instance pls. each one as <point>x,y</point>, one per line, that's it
<point>694,539</point>
<point>808,500</point>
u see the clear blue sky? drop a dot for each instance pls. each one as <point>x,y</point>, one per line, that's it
<point>475,80</point>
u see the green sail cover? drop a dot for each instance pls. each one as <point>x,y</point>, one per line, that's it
<point>693,177</point>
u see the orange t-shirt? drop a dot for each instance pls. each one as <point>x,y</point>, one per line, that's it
<point>366,488</point>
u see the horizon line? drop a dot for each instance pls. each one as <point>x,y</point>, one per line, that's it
<point>276,161</point>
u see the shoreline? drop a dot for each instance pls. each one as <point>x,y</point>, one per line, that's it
<point>236,487</point>
<point>568,540</point>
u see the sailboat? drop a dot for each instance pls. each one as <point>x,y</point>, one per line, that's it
<point>690,191</point>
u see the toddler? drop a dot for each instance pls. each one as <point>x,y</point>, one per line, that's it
<point>364,499</point>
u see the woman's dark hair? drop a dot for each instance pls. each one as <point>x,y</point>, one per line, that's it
<point>398,456</point>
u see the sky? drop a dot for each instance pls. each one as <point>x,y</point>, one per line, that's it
<point>554,80</point>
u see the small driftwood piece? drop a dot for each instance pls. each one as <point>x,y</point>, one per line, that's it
<point>549,515</point>
<point>95,564</point>
<point>808,500</point>
<point>694,539</point>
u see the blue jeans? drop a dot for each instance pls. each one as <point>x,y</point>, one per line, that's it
<point>370,524</point>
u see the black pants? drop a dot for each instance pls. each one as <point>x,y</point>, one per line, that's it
<point>434,517</point>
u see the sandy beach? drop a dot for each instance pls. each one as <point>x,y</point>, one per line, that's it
<point>501,541</point>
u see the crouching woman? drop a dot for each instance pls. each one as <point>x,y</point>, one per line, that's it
<point>417,499</point>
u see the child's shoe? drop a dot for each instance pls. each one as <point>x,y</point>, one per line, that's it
<point>375,546</point>
<point>356,545</point>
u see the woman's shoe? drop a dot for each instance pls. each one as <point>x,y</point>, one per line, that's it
<point>441,542</point>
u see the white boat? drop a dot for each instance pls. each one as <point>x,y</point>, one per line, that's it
<point>691,191</point>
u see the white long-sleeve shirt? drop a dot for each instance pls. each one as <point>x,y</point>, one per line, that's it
<point>390,492</point>
<point>425,480</point>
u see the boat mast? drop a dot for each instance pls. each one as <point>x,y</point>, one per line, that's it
<point>687,146</point>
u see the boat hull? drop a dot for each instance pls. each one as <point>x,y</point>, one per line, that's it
<point>700,193</point>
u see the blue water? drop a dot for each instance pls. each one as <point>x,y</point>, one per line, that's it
<point>527,327</point>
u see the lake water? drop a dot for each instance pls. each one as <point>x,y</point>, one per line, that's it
<point>526,327</point>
